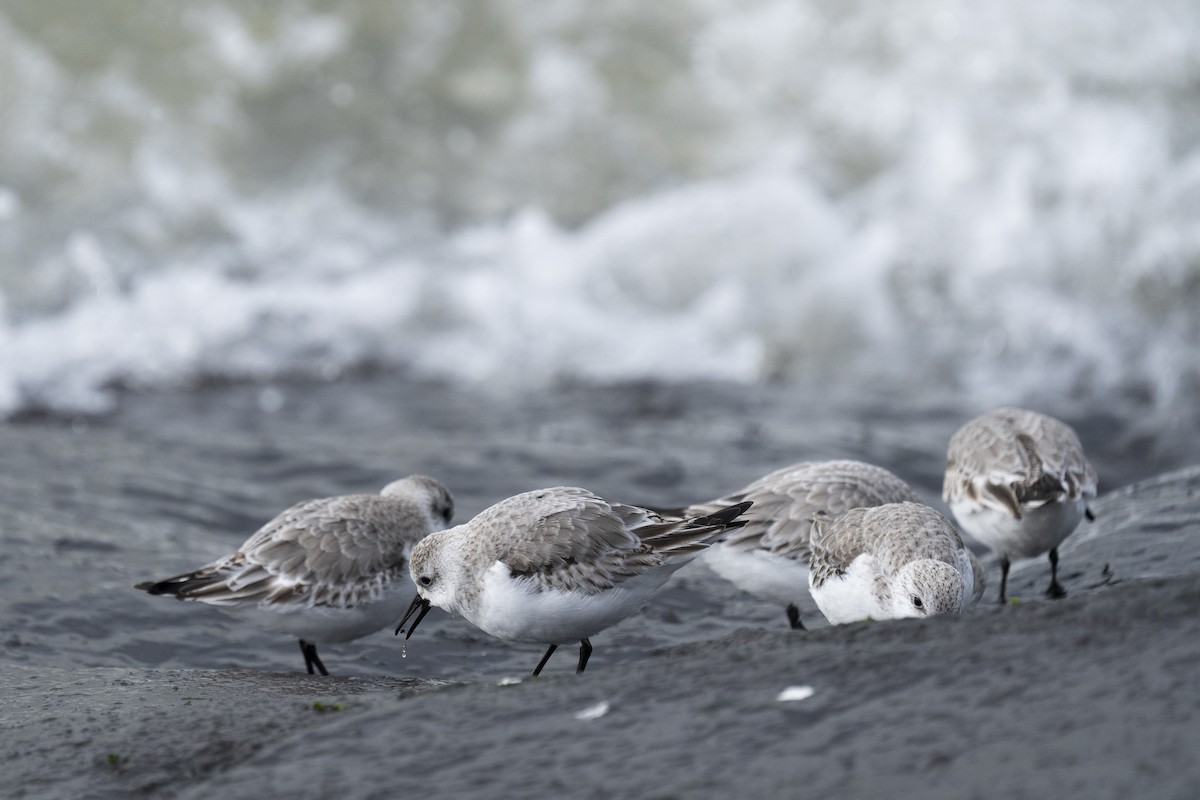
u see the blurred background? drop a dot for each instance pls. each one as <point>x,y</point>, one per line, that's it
<point>995,203</point>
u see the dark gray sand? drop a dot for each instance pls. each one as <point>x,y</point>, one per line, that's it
<point>109,693</point>
<point>1091,696</point>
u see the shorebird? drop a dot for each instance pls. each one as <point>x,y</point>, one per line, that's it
<point>556,565</point>
<point>890,561</point>
<point>768,556</point>
<point>327,570</point>
<point>1019,483</point>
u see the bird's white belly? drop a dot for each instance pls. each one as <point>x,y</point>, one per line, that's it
<point>508,609</point>
<point>769,577</point>
<point>323,624</point>
<point>1040,529</point>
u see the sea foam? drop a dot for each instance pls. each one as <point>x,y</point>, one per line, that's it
<point>997,201</point>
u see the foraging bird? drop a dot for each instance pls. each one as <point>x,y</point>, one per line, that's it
<point>326,571</point>
<point>1018,482</point>
<point>888,562</point>
<point>556,565</point>
<point>768,556</point>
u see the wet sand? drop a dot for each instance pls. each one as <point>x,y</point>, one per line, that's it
<point>1090,697</point>
<point>110,694</point>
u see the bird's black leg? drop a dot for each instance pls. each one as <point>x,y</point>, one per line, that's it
<point>1055,590</point>
<point>794,617</point>
<point>1004,564</point>
<point>585,652</point>
<point>549,652</point>
<point>311,659</point>
<point>317,660</point>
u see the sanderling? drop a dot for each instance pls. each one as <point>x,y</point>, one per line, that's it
<point>327,570</point>
<point>1019,483</point>
<point>768,557</point>
<point>554,566</point>
<point>890,561</point>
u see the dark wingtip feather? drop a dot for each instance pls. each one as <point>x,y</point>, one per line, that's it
<point>726,517</point>
<point>179,585</point>
<point>169,586</point>
<point>1005,496</point>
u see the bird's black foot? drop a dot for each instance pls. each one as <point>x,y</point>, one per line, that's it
<point>1055,590</point>
<point>793,615</point>
<point>311,659</point>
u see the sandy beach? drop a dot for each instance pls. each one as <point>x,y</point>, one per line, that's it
<point>113,694</point>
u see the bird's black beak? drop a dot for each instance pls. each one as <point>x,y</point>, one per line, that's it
<point>418,602</point>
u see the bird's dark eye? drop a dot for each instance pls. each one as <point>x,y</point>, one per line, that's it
<point>425,580</point>
<point>916,601</point>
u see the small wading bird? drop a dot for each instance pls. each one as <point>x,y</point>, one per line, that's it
<point>556,565</point>
<point>1018,482</point>
<point>891,561</point>
<point>768,556</point>
<point>327,570</point>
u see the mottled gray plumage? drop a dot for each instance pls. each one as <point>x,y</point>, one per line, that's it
<point>1012,458</point>
<point>569,539</point>
<point>768,557</point>
<point>334,554</point>
<point>895,535</point>
<point>1018,482</point>
<point>557,565</point>
<point>895,560</point>
<point>787,500</point>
